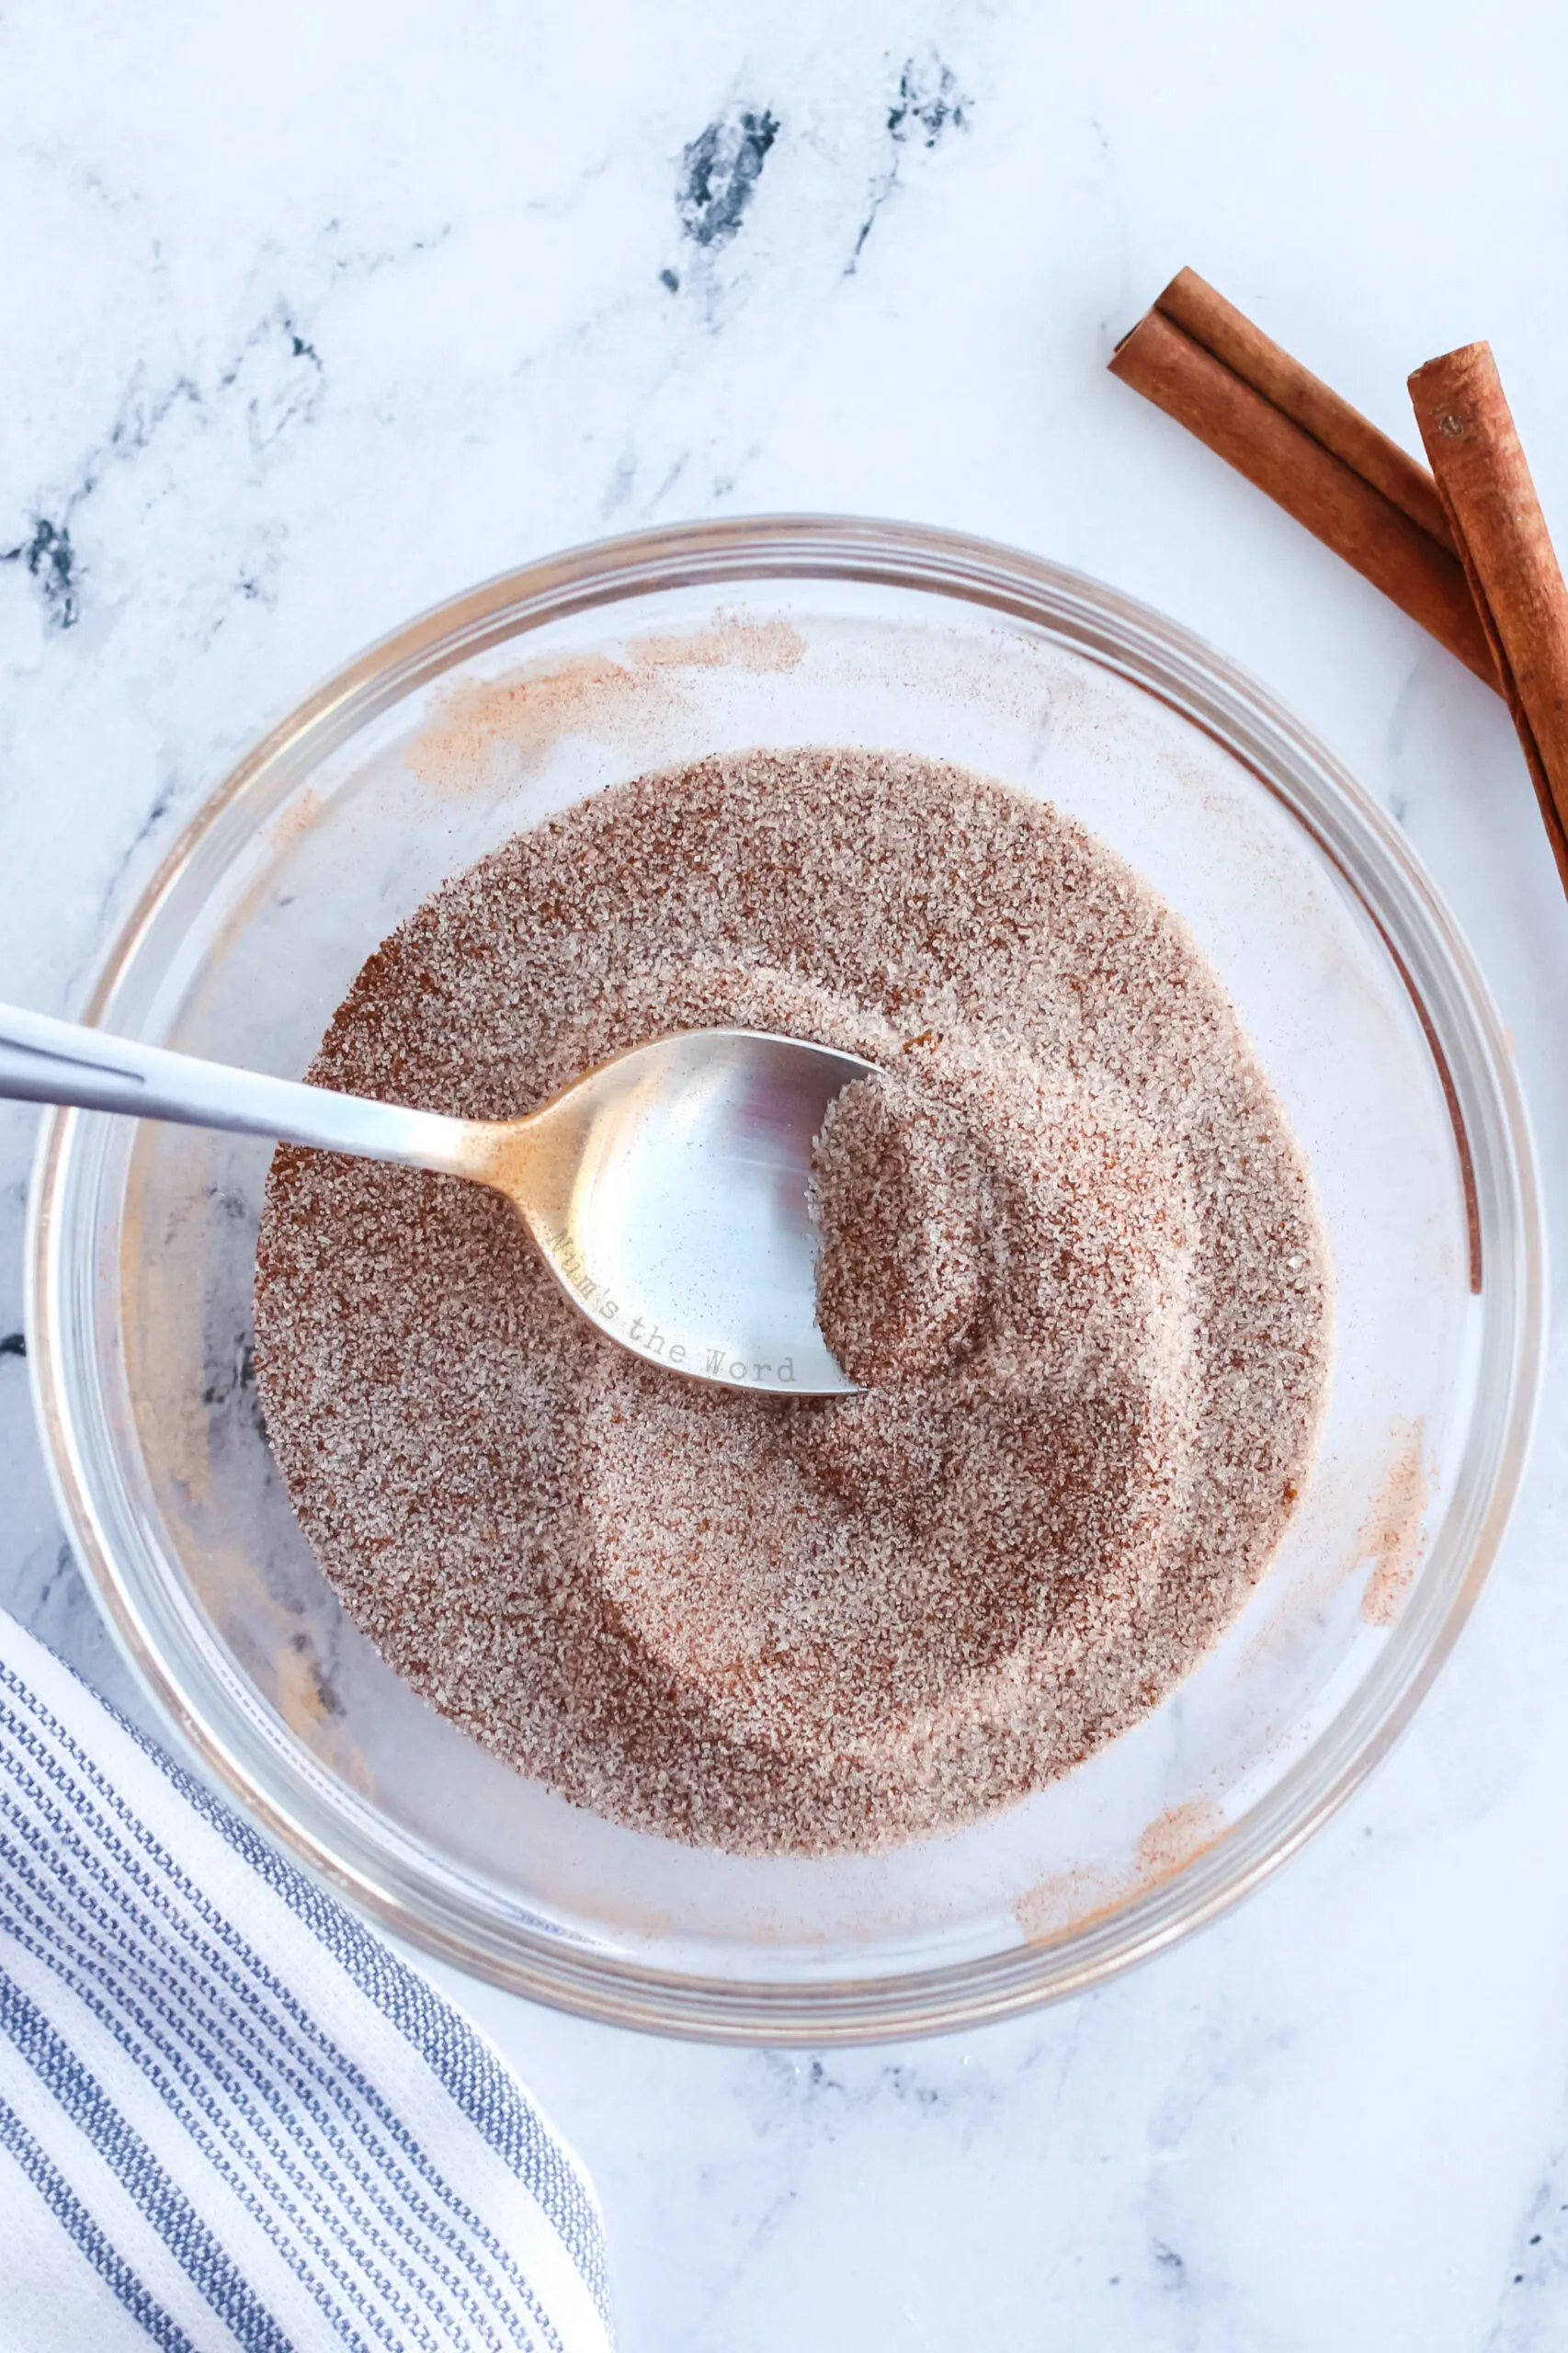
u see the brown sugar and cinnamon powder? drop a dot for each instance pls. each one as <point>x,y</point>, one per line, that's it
<point>1067,1244</point>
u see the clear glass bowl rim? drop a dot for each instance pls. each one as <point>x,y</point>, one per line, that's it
<point>290,1796</point>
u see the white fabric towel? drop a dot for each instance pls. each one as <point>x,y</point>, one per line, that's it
<point>231,2119</point>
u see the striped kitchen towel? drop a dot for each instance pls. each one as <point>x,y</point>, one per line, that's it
<point>229,2118</point>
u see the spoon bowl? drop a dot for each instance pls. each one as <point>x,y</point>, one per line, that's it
<point>665,1189</point>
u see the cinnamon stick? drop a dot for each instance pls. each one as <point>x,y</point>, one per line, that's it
<point>1197,358</point>
<point>1220,328</point>
<point>1484,482</point>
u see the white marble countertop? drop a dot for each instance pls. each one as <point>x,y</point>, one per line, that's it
<point>318,313</point>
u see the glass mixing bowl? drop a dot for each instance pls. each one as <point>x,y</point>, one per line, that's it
<point>1365,1006</point>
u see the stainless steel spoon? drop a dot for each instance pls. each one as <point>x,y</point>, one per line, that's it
<point>666,1189</point>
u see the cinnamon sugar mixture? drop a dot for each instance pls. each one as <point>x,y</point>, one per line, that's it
<point>1067,1244</point>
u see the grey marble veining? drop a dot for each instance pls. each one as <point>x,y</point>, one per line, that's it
<point>313,317</point>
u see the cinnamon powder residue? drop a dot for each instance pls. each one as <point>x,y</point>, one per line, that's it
<point>1068,1244</point>
<point>1392,1531</point>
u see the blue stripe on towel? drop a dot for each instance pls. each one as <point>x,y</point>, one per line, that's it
<point>289,2044</point>
<point>83,2233</point>
<point>481,2089</point>
<point>174,2014</point>
<point>46,1947</point>
<point>310,2139</point>
<point>164,2203</point>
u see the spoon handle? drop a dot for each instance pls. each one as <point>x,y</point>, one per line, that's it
<point>44,1061</point>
